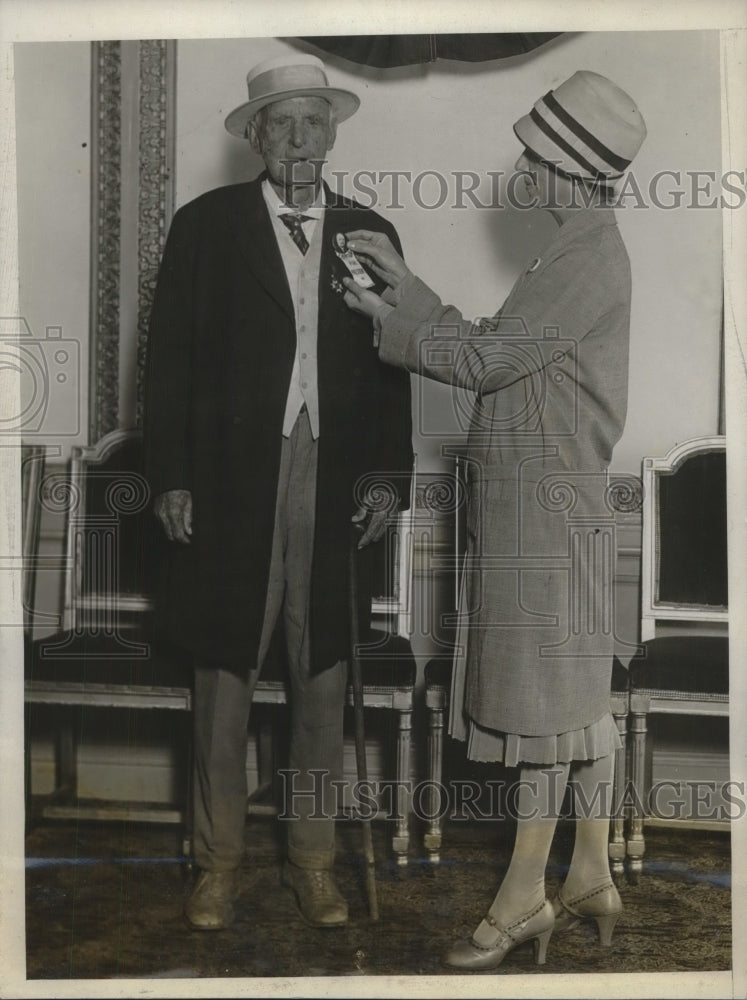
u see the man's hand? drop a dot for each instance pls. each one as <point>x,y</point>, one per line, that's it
<point>361,300</point>
<point>380,255</point>
<point>375,528</point>
<point>174,510</point>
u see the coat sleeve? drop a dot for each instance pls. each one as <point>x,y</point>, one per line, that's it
<point>423,335</point>
<point>169,365</point>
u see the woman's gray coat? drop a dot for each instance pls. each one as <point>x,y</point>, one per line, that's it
<point>550,373</point>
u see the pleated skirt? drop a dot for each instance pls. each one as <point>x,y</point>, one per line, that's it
<point>598,739</point>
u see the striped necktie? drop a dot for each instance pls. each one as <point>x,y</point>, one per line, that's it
<point>294,227</point>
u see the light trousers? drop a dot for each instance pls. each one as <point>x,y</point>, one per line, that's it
<point>223,699</point>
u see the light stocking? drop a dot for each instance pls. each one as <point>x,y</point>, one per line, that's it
<point>592,786</point>
<point>538,802</point>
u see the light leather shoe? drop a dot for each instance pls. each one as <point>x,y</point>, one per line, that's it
<point>536,926</point>
<point>319,899</point>
<point>210,905</point>
<point>602,904</point>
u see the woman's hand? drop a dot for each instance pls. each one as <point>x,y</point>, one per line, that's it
<point>361,300</point>
<point>379,255</point>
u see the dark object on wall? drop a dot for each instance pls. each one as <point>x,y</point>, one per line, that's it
<point>386,51</point>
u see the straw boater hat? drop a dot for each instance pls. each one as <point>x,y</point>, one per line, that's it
<point>285,77</point>
<point>587,127</point>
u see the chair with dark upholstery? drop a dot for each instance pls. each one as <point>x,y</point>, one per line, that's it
<point>105,656</point>
<point>683,666</point>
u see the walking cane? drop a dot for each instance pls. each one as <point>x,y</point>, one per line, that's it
<point>360,739</point>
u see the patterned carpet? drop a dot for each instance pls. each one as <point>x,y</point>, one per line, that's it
<point>104,900</point>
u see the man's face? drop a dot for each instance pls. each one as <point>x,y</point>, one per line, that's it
<point>293,138</point>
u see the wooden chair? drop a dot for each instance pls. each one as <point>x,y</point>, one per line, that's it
<point>104,657</point>
<point>683,667</point>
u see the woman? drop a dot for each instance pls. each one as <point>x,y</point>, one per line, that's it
<point>550,377</point>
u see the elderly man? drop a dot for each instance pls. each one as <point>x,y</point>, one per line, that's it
<point>267,409</point>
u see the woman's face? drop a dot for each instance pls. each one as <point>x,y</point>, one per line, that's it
<point>547,188</point>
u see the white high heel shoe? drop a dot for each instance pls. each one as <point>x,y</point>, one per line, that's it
<point>603,905</point>
<point>536,926</point>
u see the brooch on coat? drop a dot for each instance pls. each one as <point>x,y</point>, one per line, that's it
<point>534,265</point>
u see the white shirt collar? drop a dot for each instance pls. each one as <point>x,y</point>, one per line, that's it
<point>278,207</point>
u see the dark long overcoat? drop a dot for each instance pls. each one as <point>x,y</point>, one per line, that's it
<point>220,355</point>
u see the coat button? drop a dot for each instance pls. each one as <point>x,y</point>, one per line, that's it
<point>237,420</point>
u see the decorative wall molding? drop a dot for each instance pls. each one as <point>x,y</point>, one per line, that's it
<point>156,190</point>
<point>106,185</point>
<point>150,124</point>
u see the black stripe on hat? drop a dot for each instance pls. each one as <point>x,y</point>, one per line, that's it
<point>618,162</point>
<point>560,142</point>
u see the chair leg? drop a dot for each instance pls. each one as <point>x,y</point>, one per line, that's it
<point>266,764</point>
<point>188,841</point>
<point>435,750</point>
<point>27,766</point>
<point>66,764</point>
<point>401,839</point>
<point>67,757</point>
<point>636,843</point>
<point>189,804</point>
<point>617,840</point>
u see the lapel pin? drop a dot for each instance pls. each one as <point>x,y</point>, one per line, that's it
<point>351,262</point>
